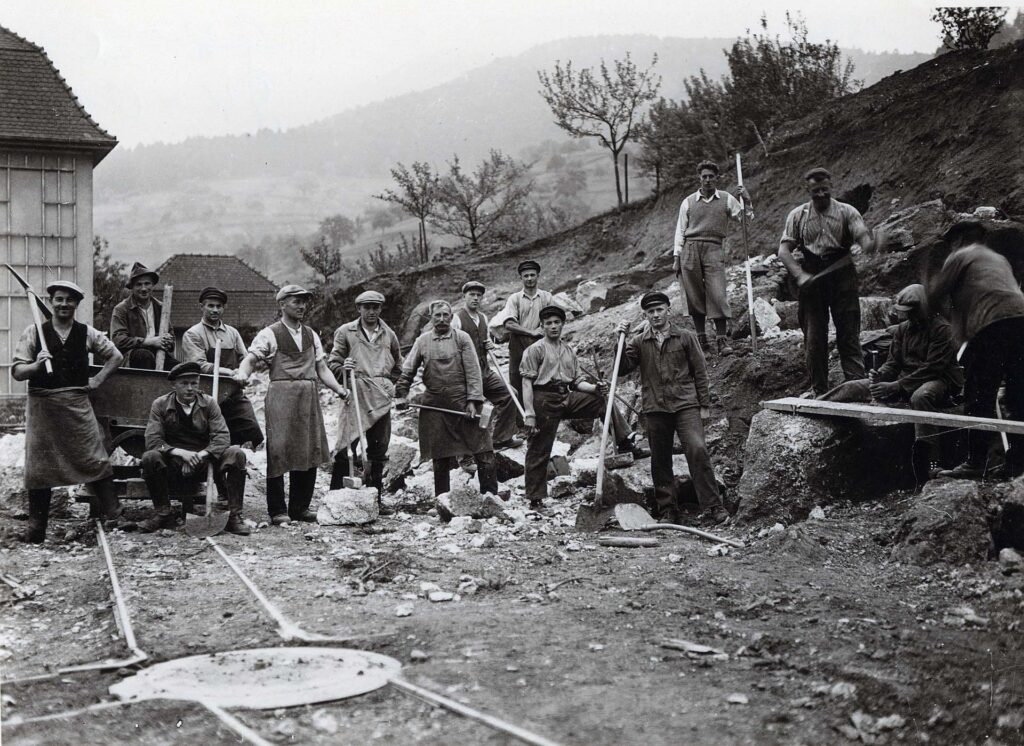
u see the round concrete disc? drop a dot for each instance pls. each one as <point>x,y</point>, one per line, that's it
<point>264,678</point>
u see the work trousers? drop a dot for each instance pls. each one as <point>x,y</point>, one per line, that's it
<point>378,437</point>
<point>300,493</point>
<point>834,294</point>
<point>166,474</point>
<point>662,427</point>
<point>703,279</point>
<point>505,411</point>
<point>551,408</point>
<point>486,473</point>
<point>517,344</point>
<point>143,357</point>
<point>995,356</point>
<point>104,505</point>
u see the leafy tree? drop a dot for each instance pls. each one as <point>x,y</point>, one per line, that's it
<point>338,230</point>
<point>570,182</point>
<point>606,105</point>
<point>108,278</point>
<point>416,193</point>
<point>323,258</point>
<point>472,206</point>
<point>673,140</point>
<point>969,28</point>
<point>381,218</point>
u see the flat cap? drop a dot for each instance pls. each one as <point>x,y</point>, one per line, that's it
<point>141,270</point>
<point>549,311</point>
<point>184,369</point>
<point>65,285</point>
<point>653,298</point>
<point>912,296</point>
<point>527,264</point>
<point>212,292</point>
<point>473,285</point>
<point>292,290</point>
<point>370,296</point>
<point>817,174</point>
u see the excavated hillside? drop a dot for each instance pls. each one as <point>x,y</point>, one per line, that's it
<point>947,132</point>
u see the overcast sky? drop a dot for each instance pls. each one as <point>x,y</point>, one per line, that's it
<point>164,70</point>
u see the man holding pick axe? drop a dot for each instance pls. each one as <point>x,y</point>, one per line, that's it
<point>296,438</point>
<point>186,431</point>
<point>522,319</point>
<point>367,351</point>
<point>135,322</point>
<point>63,444</point>
<point>473,321</point>
<point>449,420</point>
<point>554,389</point>
<point>676,400</point>
<point>697,255</point>
<point>815,249</point>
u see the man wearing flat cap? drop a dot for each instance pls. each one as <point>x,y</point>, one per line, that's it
<point>296,438</point>
<point>554,389</point>
<point>366,354</point>
<point>64,443</point>
<point>815,249</point>
<point>676,401</point>
<point>135,322</point>
<point>522,319</point>
<point>473,321</point>
<point>198,345</point>
<point>186,431</point>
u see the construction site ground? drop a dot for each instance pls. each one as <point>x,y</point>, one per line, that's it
<point>822,639</point>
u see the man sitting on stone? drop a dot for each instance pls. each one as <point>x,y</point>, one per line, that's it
<point>186,430</point>
<point>135,322</point>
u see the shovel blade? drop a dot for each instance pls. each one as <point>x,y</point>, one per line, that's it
<point>633,517</point>
<point>203,526</point>
<point>592,518</point>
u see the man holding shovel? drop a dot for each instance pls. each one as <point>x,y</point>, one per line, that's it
<point>367,350</point>
<point>135,322</point>
<point>473,321</point>
<point>296,438</point>
<point>63,443</point>
<point>451,375</point>
<point>676,400</point>
<point>554,389</point>
<point>186,431</point>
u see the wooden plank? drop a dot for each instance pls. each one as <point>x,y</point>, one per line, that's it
<point>793,405</point>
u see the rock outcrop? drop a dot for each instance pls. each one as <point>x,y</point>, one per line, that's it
<point>947,523</point>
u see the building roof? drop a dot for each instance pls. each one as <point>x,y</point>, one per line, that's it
<point>37,107</point>
<point>251,296</point>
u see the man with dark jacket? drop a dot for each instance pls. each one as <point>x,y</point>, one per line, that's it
<point>676,400</point>
<point>186,430</point>
<point>135,322</point>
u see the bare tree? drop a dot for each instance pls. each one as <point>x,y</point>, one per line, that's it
<point>472,206</point>
<point>606,105</point>
<point>416,193</point>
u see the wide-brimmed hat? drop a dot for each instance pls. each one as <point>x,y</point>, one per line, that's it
<point>139,270</point>
<point>65,285</point>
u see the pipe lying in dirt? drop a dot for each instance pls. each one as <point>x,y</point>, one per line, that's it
<point>121,617</point>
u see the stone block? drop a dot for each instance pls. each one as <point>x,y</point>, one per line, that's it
<point>346,507</point>
<point>591,295</point>
<point>947,523</point>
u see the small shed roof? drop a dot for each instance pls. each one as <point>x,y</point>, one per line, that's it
<point>37,107</point>
<point>251,296</point>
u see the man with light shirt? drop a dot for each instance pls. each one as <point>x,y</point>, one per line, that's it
<point>522,319</point>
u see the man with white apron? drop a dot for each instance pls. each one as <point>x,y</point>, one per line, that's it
<point>296,438</point>
<point>64,443</point>
<point>451,375</point>
<point>367,350</point>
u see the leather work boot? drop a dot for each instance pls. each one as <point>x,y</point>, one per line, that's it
<point>704,346</point>
<point>235,488</point>
<point>108,504</point>
<point>963,471</point>
<point>723,345</point>
<point>169,520</point>
<point>38,516</point>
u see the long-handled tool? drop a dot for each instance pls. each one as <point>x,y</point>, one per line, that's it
<point>746,249</point>
<point>354,393</point>
<point>633,517</point>
<point>165,324</point>
<point>593,517</point>
<point>484,417</point>
<point>212,523</point>
<point>511,391</point>
<point>34,302</point>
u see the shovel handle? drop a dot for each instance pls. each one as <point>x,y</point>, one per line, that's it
<point>599,490</point>
<point>210,486</point>
<point>165,326</point>
<point>511,391</point>
<point>359,417</point>
<point>695,532</point>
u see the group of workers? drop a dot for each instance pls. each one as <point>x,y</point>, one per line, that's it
<point>188,430</point>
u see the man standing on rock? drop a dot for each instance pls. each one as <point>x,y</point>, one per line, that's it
<point>63,444</point>
<point>185,432</point>
<point>135,322</point>
<point>296,438</point>
<point>815,249</point>
<point>698,257</point>
<point>987,314</point>
<point>522,319</point>
<point>473,321</point>
<point>451,375</point>
<point>198,346</point>
<point>676,400</point>
<point>554,389</point>
<point>367,350</point>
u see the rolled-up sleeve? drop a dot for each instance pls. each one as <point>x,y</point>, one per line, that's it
<point>264,346</point>
<point>28,346</point>
<point>529,366</point>
<point>100,345</point>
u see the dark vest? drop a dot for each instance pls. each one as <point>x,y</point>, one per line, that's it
<point>478,332</point>
<point>70,359</point>
<point>290,363</point>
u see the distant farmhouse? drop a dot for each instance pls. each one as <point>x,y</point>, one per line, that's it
<point>251,303</point>
<point>49,146</point>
